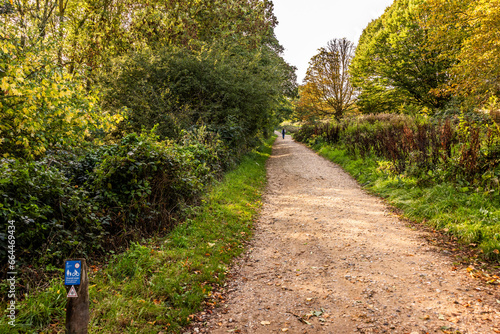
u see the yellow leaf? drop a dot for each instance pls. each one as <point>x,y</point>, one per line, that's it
<point>5,85</point>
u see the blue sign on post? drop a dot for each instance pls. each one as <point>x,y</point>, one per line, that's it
<point>72,272</point>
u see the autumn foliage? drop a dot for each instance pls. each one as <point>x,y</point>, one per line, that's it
<point>429,54</point>
<point>327,90</point>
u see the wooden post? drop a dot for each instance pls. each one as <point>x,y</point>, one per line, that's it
<point>77,308</point>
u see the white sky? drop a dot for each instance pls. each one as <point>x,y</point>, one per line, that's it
<point>307,25</point>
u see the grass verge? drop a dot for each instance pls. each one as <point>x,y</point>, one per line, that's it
<point>156,285</point>
<point>472,218</point>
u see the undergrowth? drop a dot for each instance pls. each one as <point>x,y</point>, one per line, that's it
<point>155,285</point>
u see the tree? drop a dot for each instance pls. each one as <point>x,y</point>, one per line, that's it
<point>393,59</point>
<point>42,106</point>
<point>469,30</point>
<point>229,88</point>
<point>52,53</point>
<point>92,32</point>
<point>480,55</point>
<point>327,80</point>
<point>375,93</point>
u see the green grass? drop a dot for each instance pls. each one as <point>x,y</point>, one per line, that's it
<point>473,218</point>
<point>157,284</point>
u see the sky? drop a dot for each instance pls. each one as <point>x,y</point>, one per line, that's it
<point>307,25</point>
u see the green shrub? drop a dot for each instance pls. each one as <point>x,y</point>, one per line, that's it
<point>230,89</point>
<point>53,218</point>
<point>66,205</point>
<point>141,182</point>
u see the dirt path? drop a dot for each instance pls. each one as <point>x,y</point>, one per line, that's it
<point>327,257</point>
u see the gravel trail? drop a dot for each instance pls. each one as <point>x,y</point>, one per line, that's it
<point>329,258</point>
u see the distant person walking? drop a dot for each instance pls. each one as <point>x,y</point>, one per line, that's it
<point>283,132</point>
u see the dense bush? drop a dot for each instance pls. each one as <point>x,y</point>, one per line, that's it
<point>67,205</point>
<point>289,128</point>
<point>462,150</point>
<point>52,217</point>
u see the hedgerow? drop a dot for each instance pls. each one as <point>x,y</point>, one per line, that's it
<point>68,205</point>
<point>463,150</point>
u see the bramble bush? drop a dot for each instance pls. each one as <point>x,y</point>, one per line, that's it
<point>67,205</point>
<point>52,217</point>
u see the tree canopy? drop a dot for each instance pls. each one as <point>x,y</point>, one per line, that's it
<point>468,31</point>
<point>393,63</point>
<point>57,56</point>
<point>233,90</point>
<point>427,52</point>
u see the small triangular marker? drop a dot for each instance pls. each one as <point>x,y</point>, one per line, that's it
<point>72,292</point>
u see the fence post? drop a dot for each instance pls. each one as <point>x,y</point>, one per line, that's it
<point>77,308</point>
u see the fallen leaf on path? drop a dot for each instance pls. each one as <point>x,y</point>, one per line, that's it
<point>284,329</point>
<point>314,313</point>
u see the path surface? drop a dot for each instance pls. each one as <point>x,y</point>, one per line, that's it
<point>329,258</point>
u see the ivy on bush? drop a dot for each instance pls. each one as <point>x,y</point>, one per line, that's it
<point>52,217</point>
